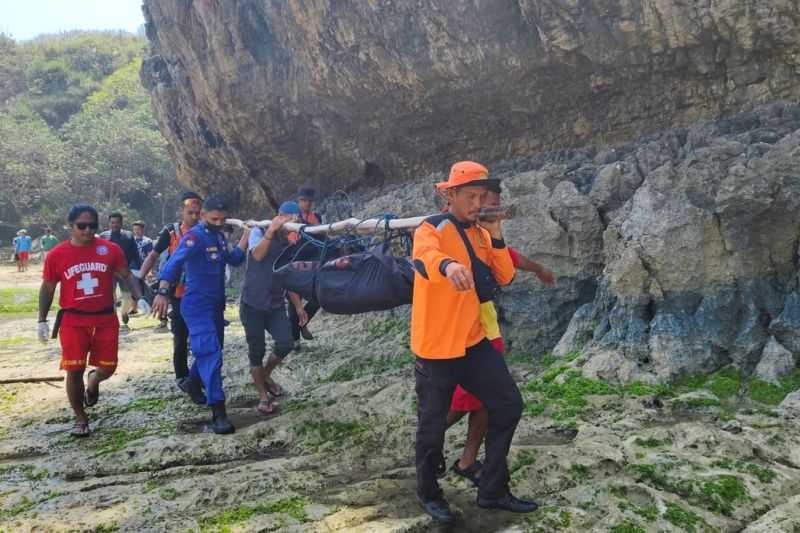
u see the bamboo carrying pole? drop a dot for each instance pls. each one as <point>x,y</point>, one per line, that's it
<point>370,225</point>
<point>352,225</point>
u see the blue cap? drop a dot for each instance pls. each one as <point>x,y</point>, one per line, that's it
<point>214,203</point>
<point>289,208</point>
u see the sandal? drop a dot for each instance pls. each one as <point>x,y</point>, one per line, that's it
<point>472,472</point>
<point>266,407</point>
<point>91,398</point>
<point>80,430</point>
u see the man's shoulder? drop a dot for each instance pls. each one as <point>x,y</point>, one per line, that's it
<point>438,221</point>
<point>59,249</point>
<point>196,231</point>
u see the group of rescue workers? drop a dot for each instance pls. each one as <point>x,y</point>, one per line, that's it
<point>459,261</point>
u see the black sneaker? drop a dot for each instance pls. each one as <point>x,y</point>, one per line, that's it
<point>306,333</point>
<point>439,511</point>
<point>508,503</point>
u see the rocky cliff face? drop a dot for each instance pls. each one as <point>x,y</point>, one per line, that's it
<point>676,255</point>
<point>257,96</point>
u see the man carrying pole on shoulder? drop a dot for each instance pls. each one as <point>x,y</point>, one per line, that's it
<point>460,265</point>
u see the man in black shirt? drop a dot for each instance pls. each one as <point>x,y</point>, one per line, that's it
<point>123,239</point>
<point>168,241</point>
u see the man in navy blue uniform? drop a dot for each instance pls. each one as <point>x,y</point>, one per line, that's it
<point>203,254</point>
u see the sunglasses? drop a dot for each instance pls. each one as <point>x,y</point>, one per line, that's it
<point>191,201</point>
<point>83,225</point>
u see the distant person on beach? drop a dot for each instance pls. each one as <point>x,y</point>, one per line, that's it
<point>144,244</point>
<point>124,239</point>
<point>48,242</point>
<point>85,267</point>
<point>22,249</point>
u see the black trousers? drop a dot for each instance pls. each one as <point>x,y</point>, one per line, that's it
<point>180,340</point>
<point>484,373</point>
<point>310,308</point>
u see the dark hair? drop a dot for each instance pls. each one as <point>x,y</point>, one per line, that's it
<point>189,195</point>
<point>115,214</point>
<point>138,223</point>
<point>79,209</point>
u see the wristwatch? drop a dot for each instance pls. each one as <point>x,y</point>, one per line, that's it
<point>163,291</point>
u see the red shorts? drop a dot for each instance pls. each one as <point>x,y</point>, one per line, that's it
<point>23,256</point>
<point>463,401</point>
<point>100,343</point>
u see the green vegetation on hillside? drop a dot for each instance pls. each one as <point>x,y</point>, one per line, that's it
<point>77,125</point>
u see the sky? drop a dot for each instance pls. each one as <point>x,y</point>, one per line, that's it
<point>25,19</point>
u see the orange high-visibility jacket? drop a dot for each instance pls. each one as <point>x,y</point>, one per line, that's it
<point>444,321</point>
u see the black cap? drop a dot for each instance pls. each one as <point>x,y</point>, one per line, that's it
<point>189,195</point>
<point>494,186</point>
<point>214,203</point>
<point>306,193</point>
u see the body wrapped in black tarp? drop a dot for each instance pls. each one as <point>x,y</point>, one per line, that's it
<point>353,284</point>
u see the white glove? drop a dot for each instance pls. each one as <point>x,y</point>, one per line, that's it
<point>43,331</point>
<point>143,306</point>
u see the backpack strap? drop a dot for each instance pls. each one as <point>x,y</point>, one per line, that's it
<point>463,234</point>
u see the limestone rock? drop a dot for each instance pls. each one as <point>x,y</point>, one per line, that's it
<point>782,518</point>
<point>255,97</point>
<point>776,362</point>
<point>790,406</point>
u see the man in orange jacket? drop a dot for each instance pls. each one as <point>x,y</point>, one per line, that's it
<point>460,265</point>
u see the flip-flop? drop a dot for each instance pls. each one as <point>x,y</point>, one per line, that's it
<point>90,398</point>
<point>266,407</point>
<point>80,430</point>
<point>472,472</point>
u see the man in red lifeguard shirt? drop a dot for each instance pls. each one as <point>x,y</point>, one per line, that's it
<point>85,267</point>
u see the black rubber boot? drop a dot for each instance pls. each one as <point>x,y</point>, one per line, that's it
<point>219,420</point>
<point>193,388</point>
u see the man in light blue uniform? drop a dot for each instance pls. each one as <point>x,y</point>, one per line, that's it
<point>203,254</point>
